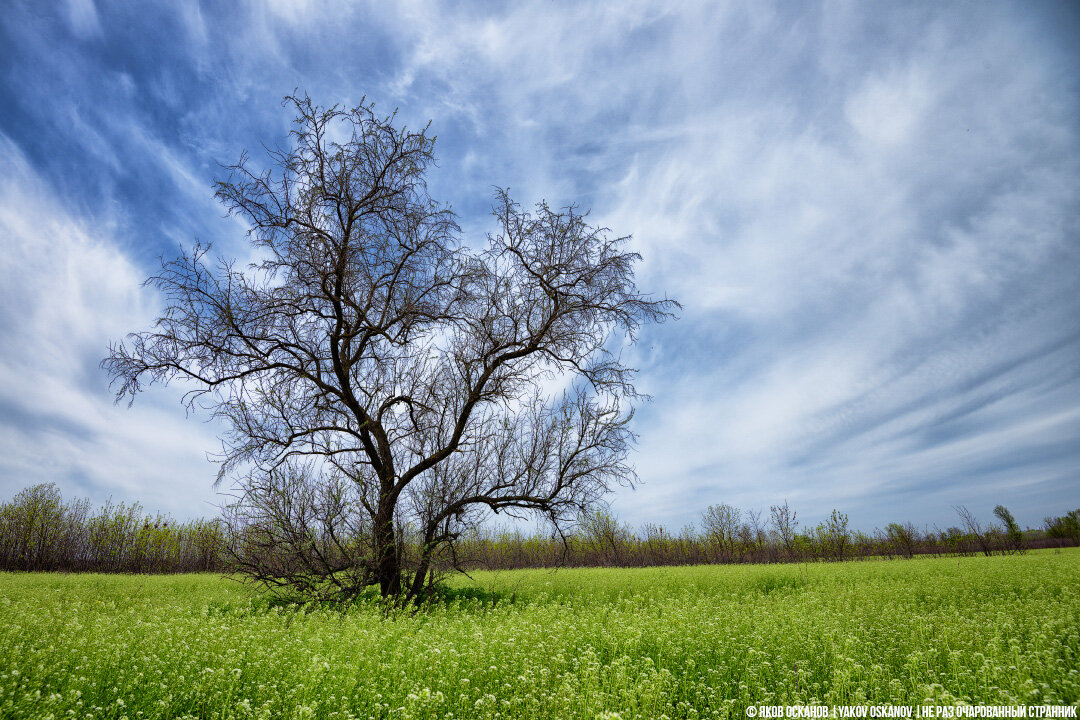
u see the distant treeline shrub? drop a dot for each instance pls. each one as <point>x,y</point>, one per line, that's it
<point>731,535</point>
<point>1066,527</point>
<point>39,531</point>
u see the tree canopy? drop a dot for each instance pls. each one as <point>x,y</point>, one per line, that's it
<point>383,384</point>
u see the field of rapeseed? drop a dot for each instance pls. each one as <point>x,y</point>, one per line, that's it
<point>652,643</point>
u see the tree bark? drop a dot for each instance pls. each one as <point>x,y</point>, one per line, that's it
<point>388,565</point>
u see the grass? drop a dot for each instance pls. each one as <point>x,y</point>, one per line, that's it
<point>649,643</point>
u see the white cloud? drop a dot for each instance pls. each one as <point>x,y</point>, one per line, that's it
<point>879,274</point>
<point>887,110</point>
<point>83,19</point>
<point>67,293</point>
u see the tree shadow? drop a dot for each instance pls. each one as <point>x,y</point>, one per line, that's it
<point>437,596</point>
<point>442,595</point>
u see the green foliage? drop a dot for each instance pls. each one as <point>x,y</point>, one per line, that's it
<point>39,531</point>
<point>1065,527</point>
<point>720,525</point>
<point>602,535</point>
<point>1013,533</point>
<point>837,537</point>
<point>901,538</point>
<point>689,642</point>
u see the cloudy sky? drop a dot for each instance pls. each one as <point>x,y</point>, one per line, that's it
<point>868,210</point>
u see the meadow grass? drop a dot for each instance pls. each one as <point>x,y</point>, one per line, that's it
<point>702,641</point>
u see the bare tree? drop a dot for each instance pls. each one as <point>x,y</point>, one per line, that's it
<point>784,521</point>
<point>837,536</point>
<point>975,530</point>
<point>605,538</point>
<point>757,530</point>
<point>720,523</point>
<point>376,376</point>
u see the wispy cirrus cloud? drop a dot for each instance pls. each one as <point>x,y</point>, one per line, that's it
<point>889,275</point>
<point>868,213</point>
<point>66,293</point>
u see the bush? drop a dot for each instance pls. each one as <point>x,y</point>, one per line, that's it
<point>38,531</point>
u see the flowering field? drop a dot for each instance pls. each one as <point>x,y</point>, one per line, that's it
<point>678,642</point>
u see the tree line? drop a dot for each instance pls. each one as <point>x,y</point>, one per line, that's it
<point>729,535</point>
<point>39,531</point>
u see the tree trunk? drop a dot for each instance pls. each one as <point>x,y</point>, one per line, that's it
<point>416,588</point>
<point>388,563</point>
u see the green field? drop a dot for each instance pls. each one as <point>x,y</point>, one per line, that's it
<point>674,642</point>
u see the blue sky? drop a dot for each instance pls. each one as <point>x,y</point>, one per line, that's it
<point>869,211</point>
